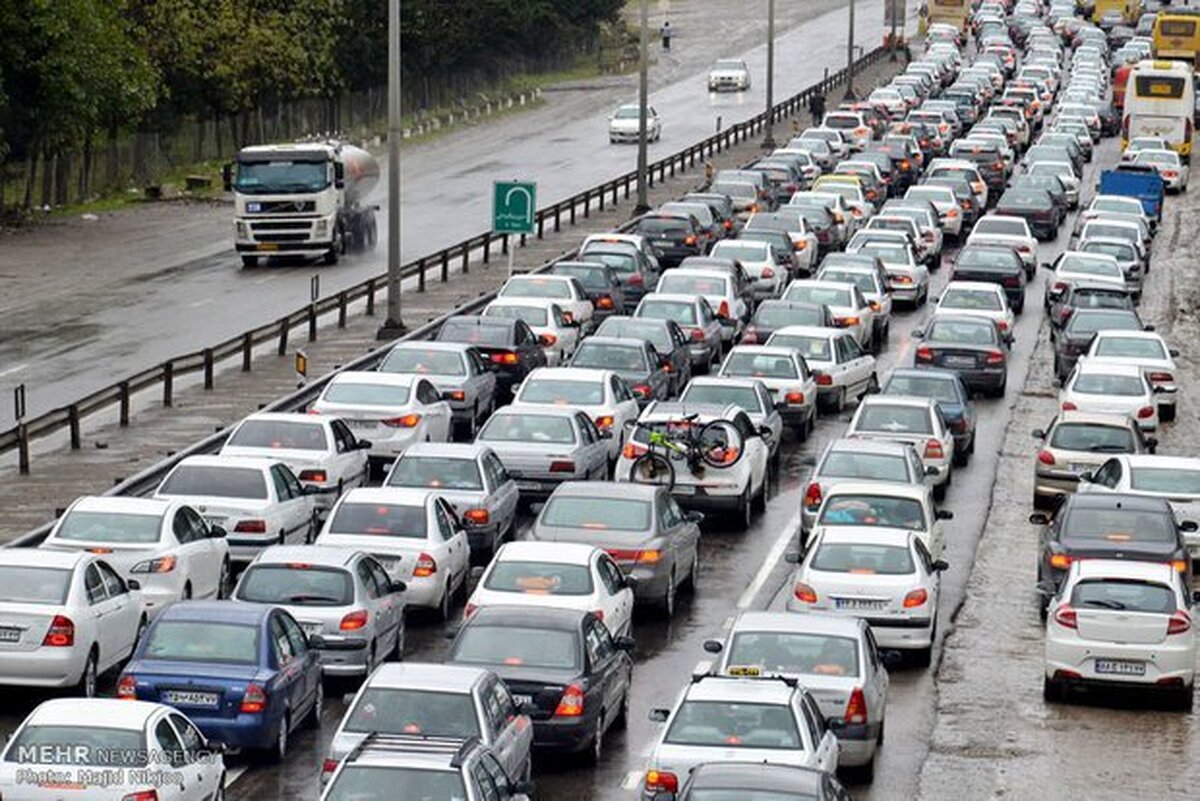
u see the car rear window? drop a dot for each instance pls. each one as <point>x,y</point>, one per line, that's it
<point>430,713</point>
<point>1106,384</point>
<point>939,389</point>
<point>528,428</point>
<point>598,514</point>
<point>217,482</point>
<point>91,746</point>
<point>356,782</point>
<point>822,295</point>
<point>296,585</point>
<point>81,526</point>
<point>362,393</point>
<point>679,283</point>
<point>873,510</point>
<point>436,472</point>
<point>416,360</point>
<point>741,252</point>
<point>384,519</point>
<point>975,258</point>
<point>517,646</point>
<point>863,558</point>
<point>795,653</point>
<point>203,641</point>
<point>973,299</point>
<point>627,358</point>
<point>1086,322</point>
<point>812,348</point>
<point>561,391</point>
<point>1122,251</point>
<point>681,312</point>
<point>536,288</point>
<point>662,227</point>
<point>895,419</point>
<point>719,395</point>
<point>532,315</point>
<point>280,434</point>
<point>731,725</point>
<point>1123,595</point>
<point>961,332</point>
<point>780,316</point>
<point>1160,479</point>
<point>621,262</point>
<point>864,281</point>
<point>1092,437</point>
<point>25,584</point>
<point>651,331</point>
<point>1118,525</point>
<point>993,225</point>
<point>539,578</point>
<point>1092,266</point>
<point>874,466</point>
<point>759,365</point>
<point>474,334</point>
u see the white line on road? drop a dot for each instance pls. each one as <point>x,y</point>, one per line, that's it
<point>633,780</point>
<point>15,369</point>
<point>198,303</point>
<point>233,775</point>
<point>773,557</point>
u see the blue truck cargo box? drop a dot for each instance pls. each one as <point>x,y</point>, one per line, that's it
<point>1136,180</point>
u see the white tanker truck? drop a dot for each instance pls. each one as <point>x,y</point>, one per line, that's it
<point>304,200</point>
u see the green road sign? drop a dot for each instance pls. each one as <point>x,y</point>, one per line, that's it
<point>514,204</point>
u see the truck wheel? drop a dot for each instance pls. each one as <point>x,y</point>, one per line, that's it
<point>372,234</point>
<point>339,245</point>
<point>250,261</point>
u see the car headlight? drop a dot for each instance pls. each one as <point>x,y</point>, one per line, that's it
<point>243,231</point>
<point>321,228</point>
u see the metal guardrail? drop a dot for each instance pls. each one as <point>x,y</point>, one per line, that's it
<point>205,360</point>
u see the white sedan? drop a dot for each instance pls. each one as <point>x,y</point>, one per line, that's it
<point>561,575</point>
<point>65,619</point>
<point>977,299</point>
<point>785,373</point>
<point>874,288</point>
<point>841,368</point>
<point>1172,169</point>
<point>908,278</point>
<point>1148,351</point>
<point>163,545</point>
<point>546,318</point>
<point>391,410</point>
<point>1013,232</point>
<point>119,743</point>
<point>1074,266</point>
<point>1106,388</point>
<point>1121,623</point>
<point>413,533</point>
<point>259,502</point>
<point>625,124</point>
<point>851,310</point>
<point>918,422</point>
<point>884,506</point>
<point>891,581</point>
<point>322,451</point>
<point>729,74</point>
<point>565,290</point>
<point>759,260</point>
<point>601,394</point>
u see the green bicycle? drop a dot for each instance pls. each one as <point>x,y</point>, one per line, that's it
<point>717,444</point>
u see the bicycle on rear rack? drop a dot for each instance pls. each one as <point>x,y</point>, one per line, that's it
<point>717,444</point>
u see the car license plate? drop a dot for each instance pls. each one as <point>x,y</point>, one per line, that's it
<point>267,246</point>
<point>856,603</point>
<point>523,699</point>
<point>960,361</point>
<point>9,634</point>
<point>683,490</point>
<point>1077,467</point>
<point>189,698</point>
<point>361,424</point>
<point>388,562</point>
<point>1121,667</point>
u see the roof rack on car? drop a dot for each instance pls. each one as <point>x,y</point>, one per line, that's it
<point>458,747</point>
<point>790,681</point>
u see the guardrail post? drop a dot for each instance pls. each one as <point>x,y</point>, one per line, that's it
<point>627,182</point>
<point>73,423</point>
<point>284,324</point>
<point>541,228</point>
<point>445,266</point>
<point>208,368</point>
<point>557,218</point>
<point>312,322</point>
<point>466,258</point>
<point>247,351</point>
<point>23,449</point>
<point>421,275</point>
<point>342,309</point>
<point>614,187</point>
<point>573,210</point>
<point>168,383</point>
<point>123,400</point>
<point>371,298</point>
<point>600,194</point>
<point>587,204</point>
<point>487,248</point>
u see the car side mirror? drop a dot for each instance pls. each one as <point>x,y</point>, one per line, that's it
<point>398,586</point>
<point>1190,526</point>
<point>944,514</point>
<point>1039,433</point>
<point>918,333</point>
<point>1196,597</point>
<point>1087,476</point>
<point>693,516</point>
<point>605,433</point>
<point>793,558</point>
<point>1047,265</point>
<point>545,340</point>
<point>1057,383</point>
<point>227,177</point>
<point>309,489</point>
<point>780,406</point>
<point>659,715</point>
<point>133,584</point>
<point>316,642</point>
<point>1152,444</point>
<point>1158,389</point>
<point>363,445</point>
<point>1039,519</point>
<point>765,432</point>
<point>1147,327</point>
<point>713,646</point>
<point>626,644</point>
<point>629,582</point>
<point>939,565</point>
<point>216,532</point>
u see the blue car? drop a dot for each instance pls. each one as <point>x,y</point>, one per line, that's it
<point>244,673</point>
<point>953,399</point>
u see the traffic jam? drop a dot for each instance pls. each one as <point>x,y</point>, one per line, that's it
<point>541,476</point>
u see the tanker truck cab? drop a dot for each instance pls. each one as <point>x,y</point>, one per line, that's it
<point>302,200</point>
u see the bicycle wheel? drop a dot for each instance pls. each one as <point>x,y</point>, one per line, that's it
<point>652,468</point>
<point>720,444</point>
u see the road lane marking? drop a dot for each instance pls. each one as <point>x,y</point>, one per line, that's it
<point>233,775</point>
<point>773,557</point>
<point>633,780</point>
<point>15,369</point>
<point>198,303</point>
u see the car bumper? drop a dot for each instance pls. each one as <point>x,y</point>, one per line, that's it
<point>347,657</point>
<point>651,581</point>
<point>159,597</point>
<point>564,734</point>
<point>857,743</point>
<point>902,633</point>
<point>628,136</point>
<point>43,667</point>
<point>722,498</point>
<point>906,293</point>
<point>284,248</point>
<point>250,732</point>
<point>700,354</point>
<point>243,549</point>
<point>539,489</point>
<point>983,379</point>
<point>425,592</point>
<point>1162,661</point>
<point>1050,486</point>
<point>481,538</point>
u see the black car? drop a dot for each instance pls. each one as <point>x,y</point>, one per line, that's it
<point>994,264</point>
<point>1073,340</point>
<point>969,345</point>
<point>636,272</point>
<point>673,238</point>
<point>634,359</point>
<point>946,387</point>
<point>784,179</point>
<point>510,346</point>
<point>752,780</point>
<point>668,340</point>
<point>1037,208</point>
<point>771,315</point>
<point>1108,526</point>
<point>561,665</point>
<point>600,283</point>
<point>821,222</point>
<point>1085,295</point>
<point>1050,183</point>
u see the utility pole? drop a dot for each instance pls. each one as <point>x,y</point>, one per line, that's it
<point>893,7</point>
<point>643,204</point>
<point>393,327</point>
<point>769,140</point>
<point>850,59</point>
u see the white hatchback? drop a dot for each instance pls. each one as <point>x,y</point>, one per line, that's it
<point>784,372</point>
<point>849,307</point>
<point>843,371</point>
<point>1101,388</point>
<point>565,290</point>
<point>917,421</point>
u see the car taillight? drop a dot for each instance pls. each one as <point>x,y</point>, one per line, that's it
<point>1045,457</point>
<point>723,309</point>
<point>924,354</point>
<point>605,302</point>
<point>915,598</point>
<point>469,610</point>
<point>812,496</point>
<point>61,633</point>
<point>1002,325</point>
<point>856,707</point>
<point>769,273</point>
<point>1061,561</point>
<point>562,467</point>
<point>905,164</point>
<point>141,795</point>
<point>508,357</point>
<point>1067,617</point>
<point>662,781</point>
<point>995,357</point>
<point>697,335</point>
<point>795,398</point>
<point>823,380</point>
<point>1170,174</point>
<point>549,340</point>
<point>933,450</point>
<point>426,566</point>
<point>407,421</point>
<point>729,225</point>
<point>952,214</point>
<point>1068,406</point>
<point>254,701</point>
<point>479,517</point>
<point>1065,314</point>
<point>1161,378</point>
<point>127,688</point>
<point>846,322</point>
<point>804,593</point>
<point>329,766</point>
<point>1059,286</point>
<point>456,395</point>
<point>1180,565</point>
<point>690,240</point>
<point>750,337</point>
<point>641,390</point>
<point>1179,623</point>
<point>571,703</point>
<point>251,527</point>
<point>163,564</point>
<point>1013,281</point>
<point>966,204</point>
<point>633,450</point>
<point>319,476</point>
<point>1145,412</point>
<point>604,421</point>
<point>354,621</point>
<point>637,279</point>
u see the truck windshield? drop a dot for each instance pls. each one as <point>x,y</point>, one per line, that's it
<point>270,177</point>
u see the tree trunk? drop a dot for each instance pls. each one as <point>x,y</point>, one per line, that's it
<point>30,175</point>
<point>85,170</point>
<point>112,169</point>
<point>47,176</point>
<point>62,178</point>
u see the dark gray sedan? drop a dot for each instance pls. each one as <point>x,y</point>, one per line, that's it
<point>635,360</point>
<point>1073,339</point>
<point>600,283</point>
<point>667,338</point>
<point>641,526</point>
<point>971,346</point>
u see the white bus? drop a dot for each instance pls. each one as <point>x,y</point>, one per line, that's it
<point>1160,101</point>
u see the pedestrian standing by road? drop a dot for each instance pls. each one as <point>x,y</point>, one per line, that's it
<point>666,35</point>
<point>817,106</point>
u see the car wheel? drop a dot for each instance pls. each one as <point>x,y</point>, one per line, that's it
<point>939,490</point>
<point>962,456</point>
<point>759,501</point>
<point>314,528</point>
<point>924,657</point>
<point>865,774</point>
<point>314,715</point>
<point>446,605</point>
<point>668,600</point>
<point>1185,699</point>
<point>596,750</point>
<point>694,573</point>
<point>397,653</point>
<point>744,512</point>
<point>279,750</point>
<point>89,680</point>
<point>223,581</point>
<point>1052,690</point>
<point>839,402</point>
<point>187,592</point>
<point>137,636</point>
<point>220,794</point>
<point>622,719</point>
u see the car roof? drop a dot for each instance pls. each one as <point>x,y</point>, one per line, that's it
<point>321,555</point>
<point>628,342</point>
<point>399,496</point>
<point>898,400</point>
<point>914,491</point>
<point>791,622</point>
<point>549,617</point>
<point>431,344</point>
<point>608,489</point>
<point>1136,460</point>
<point>1108,368</point>
<point>673,410</point>
<point>78,712</point>
<point>1124,569</point>
<point>452,450</point>
<point>764,350</point>
<point>1093,418</point>
<point>216,612</point>
<point>973,286</point>
<point>809,331</point>
<point>535,410</point>
<point>37,557</point>
<point>881,447</point>
<point>243,462</point>
<point>581,374</point>
<point>124,505</point>
<point>536,303</point>
<point>373,377</point>
<point>671,297</point>
<point>757,690</point>
<point>440,677</point>
<point>566,553</point>
<point>288,417</point>
<point>1114,501</point>
<point>865,535</point>
<point>744,776</point>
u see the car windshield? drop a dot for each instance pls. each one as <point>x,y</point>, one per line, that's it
<point>216,482</point>
<point>895,419</point>
<point>886,252</point>
<point>361,782</point>
<point>202,641</point>
<point>26,584</point>
<point>681,311</point>
<point>759,365</point>
<point>773,316</point>
<point>400,710</point>
<point>562,391</point>
<point>621,262</point>
<point>474,334</point>
<point>385,519</point>
<point>1123,595</point>
<point>280,434</point>
<point>974,299</point>
<point>721,395</point>
<point>1119,525</point>
<point>681,283</point>
<point>812,348</point>
<point>808,292</point>
<point>986,258</point>
<point>517,646</point>
<point>79,744</point>
<point>628,113</point>
<point>741,252</point>
<point>358,392</point>
<point>1175,480</point>
<point>864,281</point>
<point>873,510</point>
<point>795,653</point>
<point>419,360</point>
<point>961,332</point>
<point>536,288</point>
<point>533,316</point>
<point>939,389</point>
<point>631,328</point>
<point>732,725</point>
<point>623,358</point>
<point>528,428</point>
<point>1121,251</point>
<point>437,472</point>
<point>597,514</point>
<point>1092,437</point>
<point>539,578</point>
<point>81,526</point>
<point>1087,322</point>
<point>863,558</point>
<point>1107,384</point>
<point>729,65</point>
<point>929,193</point>
<point>995,225</point>
<point>296,585</point>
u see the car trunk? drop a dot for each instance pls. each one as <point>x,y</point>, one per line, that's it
<point>207,688</point>
<point>23,627</point>
<point>1106,625</point>
<point>296,459</point>
<point>365,421</point>
<point>953,358</point>
<point>531,460</point>
<point>398,555</point>
<point>832,693</point>
<point>122,556</point>
<point>222,512</point>
<point>541,688</point>
<point>847,593</point>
